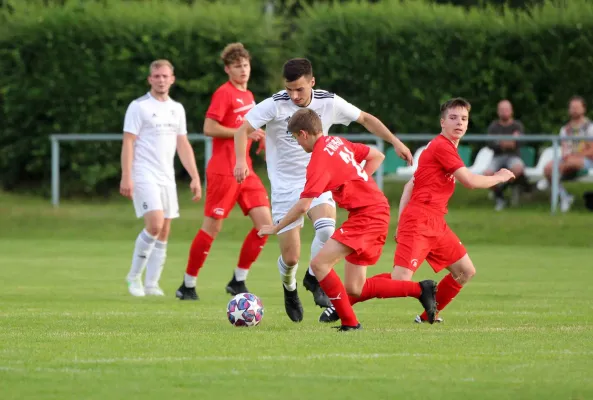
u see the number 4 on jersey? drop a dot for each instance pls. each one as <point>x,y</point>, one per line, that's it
<point>348,158</point>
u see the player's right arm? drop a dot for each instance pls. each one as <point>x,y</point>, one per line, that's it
<point>406,196</point>
<point>257,117</point>
<point>132,125</point>
<point>214,129</point>
<point>475,181</point>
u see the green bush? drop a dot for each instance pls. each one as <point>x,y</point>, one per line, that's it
<point>401,59</point>
<point>74,69</point>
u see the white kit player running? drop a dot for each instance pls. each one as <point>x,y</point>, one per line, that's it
<point>287,163</point>
<point>154,127</point>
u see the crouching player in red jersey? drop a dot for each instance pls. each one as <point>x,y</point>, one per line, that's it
<point>335,165</point>
<point>422,232</point>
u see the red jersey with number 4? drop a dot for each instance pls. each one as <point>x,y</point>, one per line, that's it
<point>335,166</point>
<point>434,182</point>
<point>228,107</point>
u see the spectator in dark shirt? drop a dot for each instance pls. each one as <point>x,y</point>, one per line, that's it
<point>506,153</point>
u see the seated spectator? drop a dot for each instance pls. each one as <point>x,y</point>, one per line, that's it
<point>506,154</point>
<point>575,156</point>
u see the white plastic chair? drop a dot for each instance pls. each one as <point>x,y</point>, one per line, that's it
<point>408,171</point>
<point>482,161</point>
<point>536,173</point>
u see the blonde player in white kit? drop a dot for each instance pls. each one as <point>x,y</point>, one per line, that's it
<point>287,163</point>
<point>154,128</point>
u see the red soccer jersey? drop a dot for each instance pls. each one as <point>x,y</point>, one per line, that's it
<point>335,165</point>
<point>434,183</point>
<point>228,107</point>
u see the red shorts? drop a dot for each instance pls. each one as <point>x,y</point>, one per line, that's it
<point>365,232</point>
<point>422,235</point>
<point>223,191</point>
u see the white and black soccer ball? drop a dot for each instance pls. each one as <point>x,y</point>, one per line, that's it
<point>245,309</point>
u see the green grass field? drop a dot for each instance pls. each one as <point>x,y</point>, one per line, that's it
<point>69,330</point>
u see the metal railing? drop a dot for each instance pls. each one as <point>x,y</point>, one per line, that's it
<point>415,137</point>
<point>96,137</point>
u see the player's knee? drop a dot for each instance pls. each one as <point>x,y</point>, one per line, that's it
<point>324,229</point>
<point>354,288</point>
<point>291,259</point>
<point>465,274</point>
<point>212,226</point>
<point>319,269</point>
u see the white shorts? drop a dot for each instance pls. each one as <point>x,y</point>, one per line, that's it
<point>282,203</point>
<point>150,197</point>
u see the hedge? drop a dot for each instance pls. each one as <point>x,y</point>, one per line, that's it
<point>400,60</point>
<point>75,69</point>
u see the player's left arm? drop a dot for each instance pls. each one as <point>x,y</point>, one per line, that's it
<point>300,208</point>
<point>377,128</point>
<point>188,159</point>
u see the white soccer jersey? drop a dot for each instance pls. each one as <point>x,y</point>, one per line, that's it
<point>286,160</point>
<point>156,125</point>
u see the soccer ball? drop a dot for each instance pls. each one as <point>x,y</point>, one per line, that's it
<point>245,309</point>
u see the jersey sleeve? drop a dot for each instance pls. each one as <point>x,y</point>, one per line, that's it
<point>182,121</point>
<point>262,113</point>
<point>317,178</point>
<point>133,120</point>
<point>218,105</point>
<point>344,112</point>
<point>361,151</point>
<point>448,157</point>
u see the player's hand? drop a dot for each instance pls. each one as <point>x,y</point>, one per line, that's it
<point>403,152</point>
<point>267,230</point>
<point>505,175</point>
<point>241,171</point>
<point>261,147</point>
<point>196,188</point>
<point>126,187</point>
<point>257,135</point>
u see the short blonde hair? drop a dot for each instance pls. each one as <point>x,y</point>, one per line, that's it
<point>233,52</point>
<point>160,63</point>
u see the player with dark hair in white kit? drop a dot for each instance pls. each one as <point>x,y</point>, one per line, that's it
<point>286,164</point>
<point>154,128</point>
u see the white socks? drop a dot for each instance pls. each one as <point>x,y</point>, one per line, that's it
<point>190,281</point>
<point>144,246</point>
<point>241,274</point>
<point>324,229</point>
<point>155,264</point>
<point>287,274</point>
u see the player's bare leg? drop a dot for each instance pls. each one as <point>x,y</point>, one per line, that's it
<point>323,267</point>
<point>323,217</point>
<point>252,247</point>
<point>156,261</point>
<point>461,272</point>
<point>288,263</point>
<point>145,242</point>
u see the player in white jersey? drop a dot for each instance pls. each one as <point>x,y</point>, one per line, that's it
<point>287,162</point>
<point>154,128</point>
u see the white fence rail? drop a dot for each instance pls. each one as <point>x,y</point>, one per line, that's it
<point>363,137</point>
<point>97,137</point>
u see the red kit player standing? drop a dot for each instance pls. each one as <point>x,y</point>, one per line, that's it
<point>423,233</point>
<point>336,165</point>
<point>230,103</point>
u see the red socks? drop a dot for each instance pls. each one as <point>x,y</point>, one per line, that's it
<point>380,287</point>
<point>446,291</point>
<point>252,246</point>
<point>198,252</point>
<point>333,287</point>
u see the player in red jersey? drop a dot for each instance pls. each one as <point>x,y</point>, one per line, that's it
<point>422,232</point>
<point>336,165</point>
<point>230,103</point>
